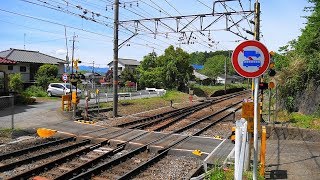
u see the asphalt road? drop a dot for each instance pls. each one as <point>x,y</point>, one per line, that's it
<point>49,113</point>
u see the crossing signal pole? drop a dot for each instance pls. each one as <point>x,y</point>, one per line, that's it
<point>115,58</point>
<point>255,96</point>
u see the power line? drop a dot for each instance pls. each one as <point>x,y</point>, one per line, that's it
<point>56,23</point>
<point>82,17</point>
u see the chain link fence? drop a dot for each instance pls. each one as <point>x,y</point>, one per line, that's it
<point>7,112</point>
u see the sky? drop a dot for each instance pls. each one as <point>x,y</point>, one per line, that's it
<point>41,25</point>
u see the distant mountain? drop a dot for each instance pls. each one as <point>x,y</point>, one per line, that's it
<point>96,69</point>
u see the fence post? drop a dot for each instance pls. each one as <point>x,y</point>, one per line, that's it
<point>263,150</point>
<point>240,147</point>
<point>106,97</point>
<point>12,111</point>
<point>98,103</point>
<point>130,96</point>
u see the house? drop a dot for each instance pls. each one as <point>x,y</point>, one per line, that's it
<point>27,63</point>
<point>3,75</point>
<point>200,76</point>
<point>230,79</point>
<point>123,64</point>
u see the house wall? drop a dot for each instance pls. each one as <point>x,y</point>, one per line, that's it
<point>25,75</point>
<point>16,69</point>
<point>120,68</point>
<point>222,80</point>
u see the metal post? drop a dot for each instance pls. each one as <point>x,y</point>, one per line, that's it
<point>269,113</point>
<point>12,112</point>
<point>255,96</point>
<point>115,58</point>
<point>276,106</point>
<point>98,102</point>
<point>225,76</point>
<point>255,127</point>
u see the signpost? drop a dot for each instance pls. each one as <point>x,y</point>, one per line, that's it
<point>251,59</point>
<point>65,77</point>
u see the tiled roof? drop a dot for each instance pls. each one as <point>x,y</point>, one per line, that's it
<point>21,55</point>
<point>6,61</point>
<point>127,62</point>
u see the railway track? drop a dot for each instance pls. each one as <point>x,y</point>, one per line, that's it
<point>81,159</point>
<point>164,120</point>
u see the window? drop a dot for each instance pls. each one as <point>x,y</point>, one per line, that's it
<point>10,68</point>
<point>54,85</point>
<point>23,69</point>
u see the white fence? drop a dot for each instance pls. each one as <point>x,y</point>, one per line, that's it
<point>241,148</point>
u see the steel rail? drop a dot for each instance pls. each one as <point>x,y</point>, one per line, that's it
<point>178,114</point>
<point>162,116</point>
<point>148,118</point>
<point>215,122</point>
<point>165,151</point>
<point>176,120</point>
<point>205,118</point>
<point>117,161</point>
<point>41,156</point>
<point>34,148</point>
<point>64,159</point>
<point>54,163</point>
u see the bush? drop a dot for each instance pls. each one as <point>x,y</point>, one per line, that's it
<point>24,98</point>
<point>47,73</point>
<point>15,82</point>
<point>35,91</point>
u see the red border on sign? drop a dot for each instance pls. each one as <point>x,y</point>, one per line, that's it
<point>262,69</point>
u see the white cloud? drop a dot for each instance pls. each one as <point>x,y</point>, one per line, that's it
<point>61,52</point>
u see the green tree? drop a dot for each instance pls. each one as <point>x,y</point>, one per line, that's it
<point>299,63</point>
<point>128,75</point>
<point>46,74</point>
<point>172,70</point>
<point>149,61</point>
<point>176,68</point>
<point>214,66</point>
<point>15,82</point>
<point>197,58</point>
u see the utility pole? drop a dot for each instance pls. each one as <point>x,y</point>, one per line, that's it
<point>256,98</point>
<point>72,56</point>
<point>67,56</point>
<point>115,58</point>
<point>24,41</point>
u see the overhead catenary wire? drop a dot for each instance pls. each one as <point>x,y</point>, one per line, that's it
<point>96,21</point>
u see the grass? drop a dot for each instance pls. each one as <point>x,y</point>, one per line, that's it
<point>228,174</point>
<point>7,132</point>
<point>127,107</point>
<point>297,119</point>
<point>305,121</point>
<point>201,90</point>
<point>48,98</point>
